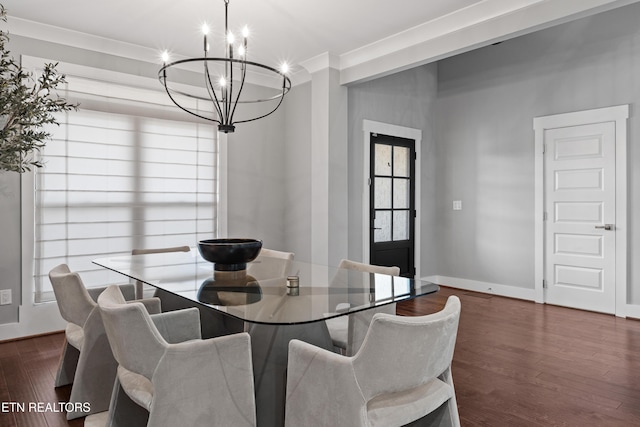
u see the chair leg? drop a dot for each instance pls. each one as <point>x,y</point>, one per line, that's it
<point>452,404</point>
<point>124,412</point>
<point>95,373</point>
<point>67,365</point>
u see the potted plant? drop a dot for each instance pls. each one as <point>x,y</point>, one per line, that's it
<point>26,106</point>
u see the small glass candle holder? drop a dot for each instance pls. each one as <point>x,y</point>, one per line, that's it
<point>293,281</point>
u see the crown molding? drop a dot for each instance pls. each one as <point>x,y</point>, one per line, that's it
<point>321,62</point>
<point>475,14</point>
<point>39,31</point>
<point>76,39</point>
<point>476,26</point>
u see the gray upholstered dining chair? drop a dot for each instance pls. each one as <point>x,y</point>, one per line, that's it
<point>347,332</point>
<point>270,264</point>
<point>140,285</point>
<point>402,373</point>
<point>86,361</point>
<point>168,376</point>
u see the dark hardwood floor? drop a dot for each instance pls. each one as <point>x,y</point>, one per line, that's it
<point>27,371</point>
<point>516,364</point>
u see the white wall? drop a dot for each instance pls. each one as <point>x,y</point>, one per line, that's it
<point>487,100</point>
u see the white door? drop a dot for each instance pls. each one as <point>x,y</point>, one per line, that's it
<point>580,212</point>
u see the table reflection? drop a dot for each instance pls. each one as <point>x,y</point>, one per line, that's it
<point>229,288</point>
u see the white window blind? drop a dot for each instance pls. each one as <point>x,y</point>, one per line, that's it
<point>120,173</point>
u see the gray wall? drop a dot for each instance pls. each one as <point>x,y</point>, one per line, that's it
<point>476,112</point>
<point>487,100</point>
<point>297,213</point>
<point>256,179</point>
<point>403,99</point>
<point>256,170</point>
<point>10,215</point>
<point>10,243</point>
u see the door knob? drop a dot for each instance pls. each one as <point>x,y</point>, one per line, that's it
<point>606,226</point>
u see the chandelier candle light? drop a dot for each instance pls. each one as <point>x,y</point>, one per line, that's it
<point>224,80</point>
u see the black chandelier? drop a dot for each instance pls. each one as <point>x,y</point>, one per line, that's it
<point>224,80</point>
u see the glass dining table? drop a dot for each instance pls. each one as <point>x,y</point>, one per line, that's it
<point>275,300</point>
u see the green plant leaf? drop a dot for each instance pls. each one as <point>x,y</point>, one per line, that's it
<point>26,106</point>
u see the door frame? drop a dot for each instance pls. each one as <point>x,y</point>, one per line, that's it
<point>369,127</point>
<point>618,114</point>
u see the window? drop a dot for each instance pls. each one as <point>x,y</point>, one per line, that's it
<point>125,171</point>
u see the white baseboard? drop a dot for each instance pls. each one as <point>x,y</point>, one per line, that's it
<point>632,310</point>
<point>484,287</point>
<point>34,319</point>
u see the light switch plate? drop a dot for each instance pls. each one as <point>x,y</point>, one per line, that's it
<point>5,297</point>
<point>457,205</point>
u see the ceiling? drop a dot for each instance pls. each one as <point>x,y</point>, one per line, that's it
<point>364,38</point>
<point>296,29</point>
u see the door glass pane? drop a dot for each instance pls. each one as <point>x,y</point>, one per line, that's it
<point>400,225</point>
<point>382,196</point>
<point>400,193</point>
<point>382,224</point>
<point>382,159</point>
<point>400,161</point>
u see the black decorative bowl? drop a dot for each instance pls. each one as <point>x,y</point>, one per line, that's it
<point>230,288</point>
<point>229,254</point>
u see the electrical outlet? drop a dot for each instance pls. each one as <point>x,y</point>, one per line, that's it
<point>5,296</point>
<point>457,205</point>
